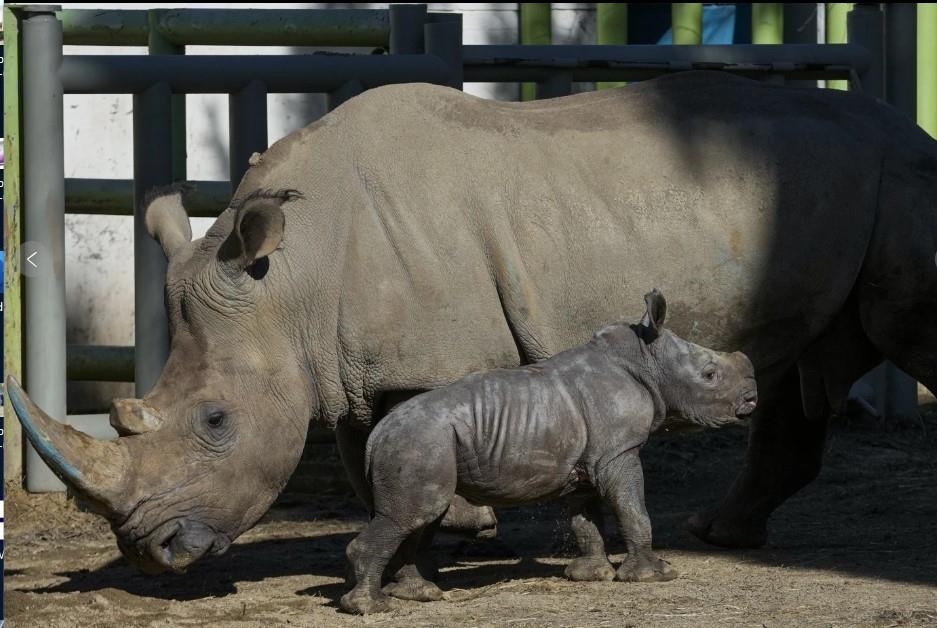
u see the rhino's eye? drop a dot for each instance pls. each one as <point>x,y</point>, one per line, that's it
<point>215,419</point>
<point>709,373</point>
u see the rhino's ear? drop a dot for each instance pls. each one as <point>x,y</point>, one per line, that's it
<point>653,320</point>
<point>165,217</point>
<point>258,227</point>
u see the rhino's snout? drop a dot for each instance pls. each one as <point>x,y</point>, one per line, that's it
<point>747,403</point>
<point>175,545</point>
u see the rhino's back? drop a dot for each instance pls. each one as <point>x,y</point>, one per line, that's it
<point>481,233</point>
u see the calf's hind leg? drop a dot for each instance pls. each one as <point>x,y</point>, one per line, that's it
<point>368,555</point>
<point>410,581</point>
<point>586,522</point>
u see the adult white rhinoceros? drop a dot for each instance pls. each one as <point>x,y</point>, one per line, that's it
<point>416,234</point>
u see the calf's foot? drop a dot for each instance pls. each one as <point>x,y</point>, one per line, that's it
<point>590,569</point>
<point>361,602</point>
<point>415,588</point>
<point>645,567</point>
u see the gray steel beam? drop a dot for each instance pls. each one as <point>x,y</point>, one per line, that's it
<point>443,39</point>
<point>114,197</point>
<point>900,390</point>
<point>349,90</point>
<point>44,223</point>
<point>509,63</point>
<point>222,27</point>
<point>865,26</point>
<point>560,84</point>
<point>247,128</point>
<point>406,28</point>
<point>224,74</point>
<point>901,56</point>
<point>800,27</point>
<point>152,167</point>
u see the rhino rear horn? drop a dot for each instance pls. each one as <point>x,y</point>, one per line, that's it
<point>98,470</point>
<point>165,217</point>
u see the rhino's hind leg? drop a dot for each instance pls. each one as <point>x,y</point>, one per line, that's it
<point>586,523</point>
<point>413,581</point>
<point>785,453</point>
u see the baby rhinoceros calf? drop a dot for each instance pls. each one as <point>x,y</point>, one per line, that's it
<point>571,426</point>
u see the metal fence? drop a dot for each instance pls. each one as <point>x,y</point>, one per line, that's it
<point>417,46</point>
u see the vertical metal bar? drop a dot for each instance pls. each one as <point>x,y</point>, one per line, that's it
<point>767,23</point>
<point>801,22</point>
<point>12,220</point>
<point>900,51</point>
<point>44,224</point>
<point>535,29</point>
<point>927,67</point>
<point>836,33</point>
<point>349,90</point>
<point>443,39</point>
<point>611,21</point>
<point>560,84</point>
<point>406,28</point>
<point>865,25</point>
<point>157,44</point>
<point>247,128</point>
<point>901,397</point>
<point>152,166</point>
<point>687,23</point>
<point>895,392</point>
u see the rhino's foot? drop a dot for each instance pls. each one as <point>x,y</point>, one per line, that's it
<point>360,602</point>
<point>463,518</point>
<point>646,567</point>
<point>590,569</point>
<point>416,589</point>
<point>728,532</point>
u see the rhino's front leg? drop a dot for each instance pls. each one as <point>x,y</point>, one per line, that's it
<point>621,485</point>
<point>586,522</point>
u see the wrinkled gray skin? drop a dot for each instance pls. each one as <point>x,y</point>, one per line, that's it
<point>572,425</point>
<point>438,234</point>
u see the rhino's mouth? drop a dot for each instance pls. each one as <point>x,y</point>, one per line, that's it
<point>174,546</point>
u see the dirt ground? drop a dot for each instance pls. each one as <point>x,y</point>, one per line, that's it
<point>856,548</point>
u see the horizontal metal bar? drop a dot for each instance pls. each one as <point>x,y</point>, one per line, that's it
<point>115,197</point>
<point>223,74</point>
<point>222,27</point>
<point>104,28</point>
<point>99,363</point>
<point>498,63</point>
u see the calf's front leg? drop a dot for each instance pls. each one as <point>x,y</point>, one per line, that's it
<point>621,485</point>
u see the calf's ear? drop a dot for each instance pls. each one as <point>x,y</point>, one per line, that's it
<point>258,228</point>
<point>653,320</point>
<point>165,217</point>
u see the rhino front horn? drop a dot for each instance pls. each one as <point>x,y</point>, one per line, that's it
<point>97,469</point>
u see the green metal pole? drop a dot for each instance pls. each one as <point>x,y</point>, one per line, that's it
<point>767,23</point>
<point>612,25</point>
<point>158,45</point>
<point>535,30</point>
<point>836,33</point>
<point>927,67</point>
<point>12,205</point>
<point>687,23</point>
